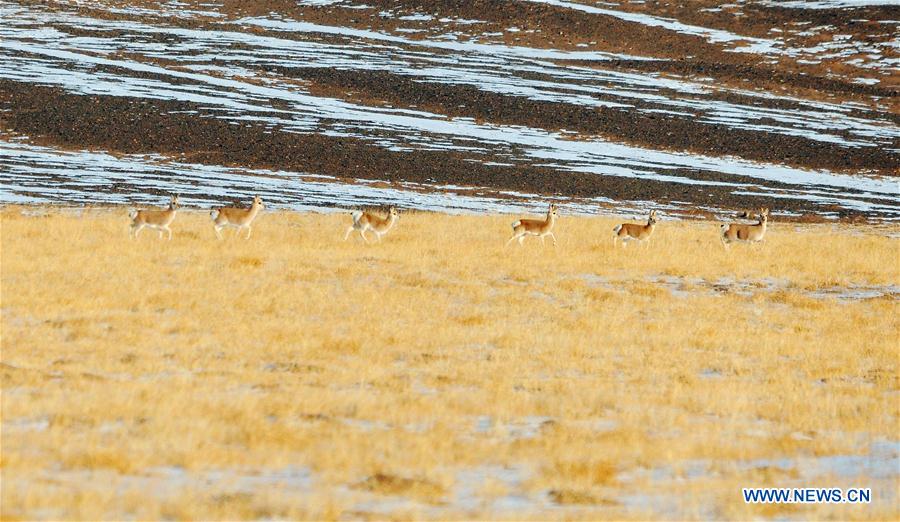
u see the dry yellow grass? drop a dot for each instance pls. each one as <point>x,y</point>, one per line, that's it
<point>438,374</point>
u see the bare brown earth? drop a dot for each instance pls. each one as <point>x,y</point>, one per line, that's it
<point>652,130</point>
<point>565,28</point>
<point>130,126</point>
<point>57,117</point>
<point>548,26</point>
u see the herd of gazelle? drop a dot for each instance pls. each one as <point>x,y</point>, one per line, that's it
<point>364,221</point>
<point>240,218</point>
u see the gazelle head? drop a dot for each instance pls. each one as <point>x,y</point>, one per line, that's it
<point>653,219</point>
<point>257,201</point>
<point>173,203</point>
<point>393,212</point>
<point>764,214</point>
<point>553,210</point>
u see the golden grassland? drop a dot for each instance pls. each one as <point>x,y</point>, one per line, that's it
<point>438,374</point>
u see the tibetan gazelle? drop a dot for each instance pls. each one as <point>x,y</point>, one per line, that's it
<point>236,217</point>
<point>632,232</point>
<point>158,219</point>
<point>535,227</point>
<point>735,232</point>
<point>365,220</point>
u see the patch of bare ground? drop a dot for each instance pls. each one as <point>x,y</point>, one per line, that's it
<point>744,76</point>
<point>871,24</point>
<point>541,25</point>
<point>387,484</point>
<point>538,25</point>
<point>574,496</point>
<point>757,19</point>
<point>125,125</point>
<point>652,130</point>
<point>548,26</point>
<point>765,79</point>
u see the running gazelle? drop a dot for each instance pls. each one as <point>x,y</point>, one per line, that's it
<point>633,232</point>
<point>535,227</point>
<point>367,220</point>
<point>157,219</point>
<point>736,232</point>
<point>236,217</point>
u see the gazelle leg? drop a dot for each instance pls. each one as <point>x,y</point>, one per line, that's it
<point>249,230</point>
<point>349,230</point>
<point>521,239</point>
<point>169,231</point>
<point>362,232</point>
<point>137,231</point>
<point>553,237</point>
<point>513,238</point>
<point>542,239</point>
<point>218,232</point>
